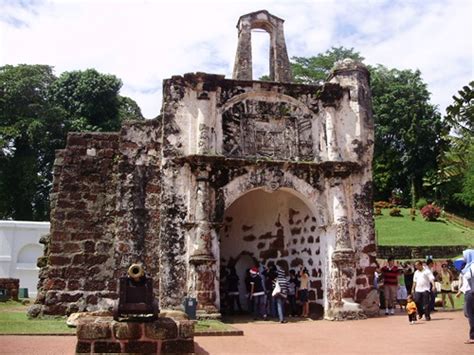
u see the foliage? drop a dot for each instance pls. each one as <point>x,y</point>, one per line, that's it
<point>466,195</point>
<point>31,128</point>
<point>395,212</point>
<point>453,182</point>
<point>314,69</point>
<point>431,212</point>
<point>461,113</point>
<point>421,203</point>
<point>89,98</point>
<point>382,204</point>
<point>36,112</point>
<point>378,212</point>
<point>403,231</point>
<point>408,130</point>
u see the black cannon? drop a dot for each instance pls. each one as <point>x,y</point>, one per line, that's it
<point>136,300</point>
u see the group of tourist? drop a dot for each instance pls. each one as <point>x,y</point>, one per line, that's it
<point>419,281</point>
<point>269,291</point>
<point>415,291</point>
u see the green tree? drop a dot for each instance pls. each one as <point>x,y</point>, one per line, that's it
<point>408,130</point>
<point>461,113</point>
<point>314,69</point>
<point>456,172</point>
<point>36,111</point>
<point>92,100</point>
<point>30,130</point>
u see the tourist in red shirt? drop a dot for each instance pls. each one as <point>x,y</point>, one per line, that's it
<point>390,285</point>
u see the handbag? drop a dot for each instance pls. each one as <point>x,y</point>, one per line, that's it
<point>277,290</point>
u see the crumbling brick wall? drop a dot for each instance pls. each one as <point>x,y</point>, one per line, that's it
<point>105,214</point>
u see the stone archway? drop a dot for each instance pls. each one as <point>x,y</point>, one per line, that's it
<point>276,227</point>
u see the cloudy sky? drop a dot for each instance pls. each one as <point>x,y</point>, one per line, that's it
<point>144,41</point>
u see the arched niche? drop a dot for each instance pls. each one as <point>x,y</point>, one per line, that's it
<point>29,254</point>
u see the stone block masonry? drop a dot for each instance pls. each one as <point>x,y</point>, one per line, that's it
<point>11,286</point>
<point>163,336</point>
<point>235,172</point>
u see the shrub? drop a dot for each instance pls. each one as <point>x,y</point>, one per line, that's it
<point>382,204</point>
<point>412,211</point>
<point>421,203</point>
<point>378,212</point>
<point>395,212</point>
<point>431,212</point>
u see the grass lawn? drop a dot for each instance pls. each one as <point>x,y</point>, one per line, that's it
<point>207,325</point>
<point>403,231</point>
<point>13,320</point>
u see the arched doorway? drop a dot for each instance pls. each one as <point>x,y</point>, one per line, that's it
<point>276,227</point>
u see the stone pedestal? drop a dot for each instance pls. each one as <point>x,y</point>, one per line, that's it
<point>163,336</point>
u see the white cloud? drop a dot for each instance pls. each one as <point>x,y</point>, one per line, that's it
<point>144,42</point>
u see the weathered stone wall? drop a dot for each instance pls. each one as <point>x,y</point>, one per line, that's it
<point>161,192</point>
<point>105,216</point>
<point>419,252</point>
<point>224,138</point>
<point>100,335</point>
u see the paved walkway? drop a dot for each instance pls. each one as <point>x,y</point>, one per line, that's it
<point>445,334</point>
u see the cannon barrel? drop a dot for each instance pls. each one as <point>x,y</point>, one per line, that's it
<point>136,272</point>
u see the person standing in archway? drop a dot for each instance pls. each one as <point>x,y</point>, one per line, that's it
<point>390,285</point>
<point>280,293</point>
<point>257,294</point>
<point>233,290</point>
<point>303,291</point>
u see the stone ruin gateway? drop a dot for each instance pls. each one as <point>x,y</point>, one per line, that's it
<point>235,171</point>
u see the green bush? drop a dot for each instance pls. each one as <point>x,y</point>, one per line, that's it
<point>395,212</point>
<point>382,204</point>
<point>421,203</point>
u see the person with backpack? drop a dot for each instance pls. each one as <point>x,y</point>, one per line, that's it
<point>280,293</point>
<point>467,287</point>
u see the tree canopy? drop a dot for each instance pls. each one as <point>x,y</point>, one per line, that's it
<point>408,129</point>
<point>456,173</point>
<point>37,109</point>
<point>314,69</point>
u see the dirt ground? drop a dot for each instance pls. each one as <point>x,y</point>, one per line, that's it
<point>444,334</point>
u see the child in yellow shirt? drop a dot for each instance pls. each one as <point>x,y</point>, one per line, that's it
<point>411,309</point>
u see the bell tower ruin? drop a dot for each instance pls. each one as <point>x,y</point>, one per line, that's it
<point>234,172</point>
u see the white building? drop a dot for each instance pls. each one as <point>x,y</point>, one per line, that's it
<point>19,249</point>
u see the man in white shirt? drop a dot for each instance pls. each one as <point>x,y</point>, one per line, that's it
<point>423,281</point>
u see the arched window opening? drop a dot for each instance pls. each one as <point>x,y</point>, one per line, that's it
<point>260,54</point>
